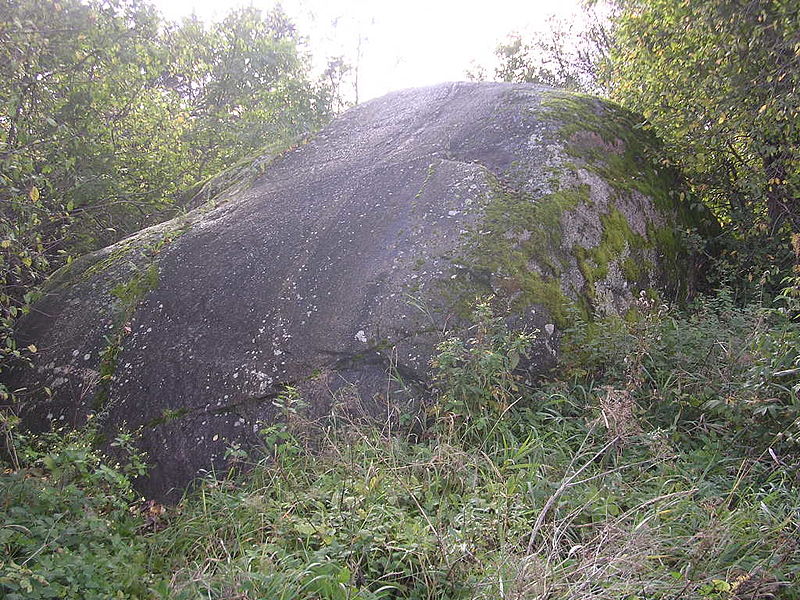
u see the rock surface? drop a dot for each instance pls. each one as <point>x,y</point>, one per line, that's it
<point>350,253</point>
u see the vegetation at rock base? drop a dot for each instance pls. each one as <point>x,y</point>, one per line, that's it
<point>661,464</point>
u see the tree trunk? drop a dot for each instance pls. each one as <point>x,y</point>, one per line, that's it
<point>782,205</point>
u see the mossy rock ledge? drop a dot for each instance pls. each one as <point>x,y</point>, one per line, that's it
<point>337,267</point>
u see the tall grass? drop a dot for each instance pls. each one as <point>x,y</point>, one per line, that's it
<point>649,469</point>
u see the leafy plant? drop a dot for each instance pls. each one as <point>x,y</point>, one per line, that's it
<point>713,366</point>
<point>68,531</point>
<point>476,377</point>
<point>718,81</point>
<point>106,119</point>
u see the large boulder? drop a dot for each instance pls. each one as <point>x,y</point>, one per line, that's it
<point>336,265</point>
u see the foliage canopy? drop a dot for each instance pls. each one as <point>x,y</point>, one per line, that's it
<point>720,81</point>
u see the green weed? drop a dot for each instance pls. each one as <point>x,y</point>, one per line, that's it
<point>648,469</point>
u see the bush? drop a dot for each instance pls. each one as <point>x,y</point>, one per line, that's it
<point>67,529</point>
<point>712,368</point>
<point>476,378</point>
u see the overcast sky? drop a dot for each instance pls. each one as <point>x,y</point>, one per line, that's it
<point>404,43</point>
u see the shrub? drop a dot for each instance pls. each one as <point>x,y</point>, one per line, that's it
<point>714,367</point>
<point>476,378</point>
<point>67,531</point>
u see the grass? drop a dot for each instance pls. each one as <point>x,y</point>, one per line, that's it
<point>650,469</point>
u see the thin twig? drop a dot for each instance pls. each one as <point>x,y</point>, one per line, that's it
<point>561,489</point>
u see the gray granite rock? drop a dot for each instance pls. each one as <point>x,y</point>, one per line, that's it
<point>345,258</point>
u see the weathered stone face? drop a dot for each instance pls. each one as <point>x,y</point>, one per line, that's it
<point>350,252</point>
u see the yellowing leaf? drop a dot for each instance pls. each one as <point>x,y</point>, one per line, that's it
<point>32,349</point>
<point>5,244</point>
<point>720,585</point>
<point>34,194</point>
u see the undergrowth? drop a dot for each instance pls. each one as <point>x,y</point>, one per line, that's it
<point>661,463</point>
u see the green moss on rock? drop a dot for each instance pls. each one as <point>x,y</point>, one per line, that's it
<point>615,144</point>
<point>516,249</point>
<point>139,284</point>
<point>673,255</point>
<point>101,265</point>
<point>612,142</point>
<point>129,294</point>
<point>618,244</point>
